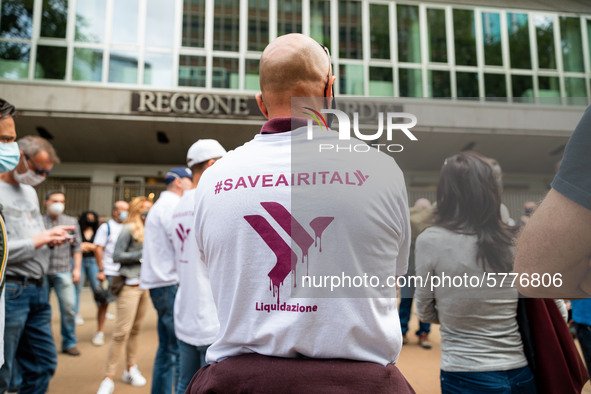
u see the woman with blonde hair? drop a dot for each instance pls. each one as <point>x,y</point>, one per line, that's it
<point>131,300</point>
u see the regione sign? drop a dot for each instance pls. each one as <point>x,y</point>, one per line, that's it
<point>198,104</point>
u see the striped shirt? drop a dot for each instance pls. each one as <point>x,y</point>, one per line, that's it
<point>61,256</point>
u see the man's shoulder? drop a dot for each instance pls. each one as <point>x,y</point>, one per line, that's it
<point>67,219</point>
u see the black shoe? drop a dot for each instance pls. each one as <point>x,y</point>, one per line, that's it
<point>71,351</point>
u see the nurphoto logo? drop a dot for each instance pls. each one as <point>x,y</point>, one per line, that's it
<point>393,123</point>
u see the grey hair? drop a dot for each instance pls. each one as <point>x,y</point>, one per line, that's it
<point>31,145</point>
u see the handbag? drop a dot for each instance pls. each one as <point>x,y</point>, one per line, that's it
<point>117,285</point>
<point>549,347</point>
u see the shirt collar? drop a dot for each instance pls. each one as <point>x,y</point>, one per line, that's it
<point>282,125</point>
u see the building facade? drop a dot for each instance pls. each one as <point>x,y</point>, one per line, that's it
<point>122,88</point>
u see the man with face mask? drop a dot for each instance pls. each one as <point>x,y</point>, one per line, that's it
<point>28,313</point>
<point>60,274</point>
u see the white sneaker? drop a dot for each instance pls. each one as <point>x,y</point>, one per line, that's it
<point>110,316</point>
<point>98,339</point>
<point>107,386</point>
<point>79,320</point>
<point>134,377</point>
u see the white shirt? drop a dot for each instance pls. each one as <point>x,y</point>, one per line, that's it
<point>195,315</point>
<point>353,215</point>
<point>106,236</point>
<point>158,268</point>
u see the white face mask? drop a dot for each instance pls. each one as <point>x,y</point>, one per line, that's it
<point>56,208</point>
<point>28,177</point>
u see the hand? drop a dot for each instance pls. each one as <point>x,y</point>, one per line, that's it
<point>87,247</point>
<point>54,236</point>
<point>76,275</point>
<point>101,276</point>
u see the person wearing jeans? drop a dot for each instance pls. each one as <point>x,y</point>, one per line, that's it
<point>60,275</point>
<point>159,275</point>
<point>28,340</point>
<point>88,222</point>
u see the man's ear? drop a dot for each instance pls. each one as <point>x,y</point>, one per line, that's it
<point>262,105</point>
<point>209,163</point>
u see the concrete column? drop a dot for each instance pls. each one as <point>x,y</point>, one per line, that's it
<point>101,191</point>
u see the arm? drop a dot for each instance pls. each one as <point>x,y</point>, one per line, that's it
<point>556,240</point>
<point>24,249</point>
<point>77,267</point>
<point>76,253</point>
<point>121,254</point>
<point>98,255</point>
<point>426,304</point>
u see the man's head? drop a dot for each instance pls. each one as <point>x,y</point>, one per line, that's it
<point>178,180</point>
<point>293,65</point>
<point>423,203</point>
<point>55,203</point>
<point>36,162</point>
<point>529,207</point>
<point>201,155</point>
<point>120,210</point>
<point>9,152</point>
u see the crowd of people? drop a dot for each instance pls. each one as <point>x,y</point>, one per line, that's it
<point>217,254</point>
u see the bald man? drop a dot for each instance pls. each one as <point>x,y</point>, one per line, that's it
<point>272,217</point>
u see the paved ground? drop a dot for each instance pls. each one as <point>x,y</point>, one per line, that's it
<point>82,375</point>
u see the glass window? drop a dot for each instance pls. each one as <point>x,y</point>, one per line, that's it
<point>258,24</point>
<point>251,77</point>
<point>495,87</point>
<point>436,35</point>
<point>523,88</point>
<point>16,20</point>
<point>192,71</point>
<point>51,62</point>
<point>589,36</point>
<point>123,67</point>
<point>54,18</point>
<point>576,93</point>
<point>125,22</point>
<point>381,82</point>
<point>465,37</point>
<point>410,82</point>
<point>545,38</point>
<point>549,90</point>
<point>320,21</point>
<point>409,42</point>
<point>88,65</point>
<point>194,24</point>
<point>379,31</point>
<point>90,20</point>
<point>572,45</point>
<point>350,44</point>
<point>491,34</point>
<point>159,24</point>
<point>14,60</point>
<point>519,50</point>
<point>467,85</point>
<point>351,79</point>
<point>158,69</point>
<point>438,83</point>
<point>226,23</point>
<point>289,17</point>
<point>225,73</point>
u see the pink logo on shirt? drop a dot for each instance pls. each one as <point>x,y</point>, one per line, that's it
<point>183,235</point>
<point>286,257</point>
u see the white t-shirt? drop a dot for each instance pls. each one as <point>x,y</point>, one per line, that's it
<point>274,210</point>
<point>195,316</point>
<point>106,236</point>
<point>158,268</point>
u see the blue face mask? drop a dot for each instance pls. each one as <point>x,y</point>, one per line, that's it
<point>9,156</point>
